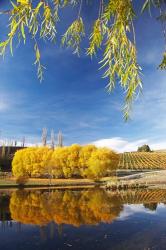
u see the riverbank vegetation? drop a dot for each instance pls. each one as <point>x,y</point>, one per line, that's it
<point>65,162</point>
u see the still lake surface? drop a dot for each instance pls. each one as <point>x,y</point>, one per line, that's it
<point>82,219</point>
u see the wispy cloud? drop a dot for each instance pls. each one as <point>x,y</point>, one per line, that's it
<point>119,144</point>
<point>123,145</point>
<point>151,107</point>
<point>3,105</point>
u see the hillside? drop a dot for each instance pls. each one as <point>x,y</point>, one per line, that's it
<point>142,160</point>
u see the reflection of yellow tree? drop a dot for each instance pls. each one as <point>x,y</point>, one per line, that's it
<point>86,207</point>
<point>27,207</point>
<point>64,207</point>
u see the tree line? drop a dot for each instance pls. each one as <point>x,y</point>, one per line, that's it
<point>64,162</point>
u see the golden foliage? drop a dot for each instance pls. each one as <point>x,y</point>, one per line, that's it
<point>73,161</point>
<point>73,35</point>
<point>101,161</point>
<point>85,154</point>
<point>30,161</point>
<point>96,37</point>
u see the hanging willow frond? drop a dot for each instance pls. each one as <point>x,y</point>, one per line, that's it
<point>73,35</point>
<point>23,18</point>
<point>149,3</point>
<point>37,62</point>
<point>34,22</point>
<point>96,37</point>
<point>48,29</point>
<point>162,66</point>
<point>120,57</point>
<point>18,22</point>
<point>112,32</point>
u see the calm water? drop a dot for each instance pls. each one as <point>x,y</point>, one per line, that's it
<point>82,219</point>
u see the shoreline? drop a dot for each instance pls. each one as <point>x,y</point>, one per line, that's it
<point>153,179</point>
<point>34,183</point>
<point>119,186</point>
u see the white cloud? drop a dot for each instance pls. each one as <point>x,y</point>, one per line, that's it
<point>119,144</point>
<point>9,101</point>
<point>129,210</point>
<point>3,105</point>
<point>4,102</point>
<point>85,125</point>
<point>157,146</point>
<point>150,108</point>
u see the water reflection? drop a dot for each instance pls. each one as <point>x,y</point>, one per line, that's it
<point>76,208</point>
<point>73,207</point>
<point>83,219</point>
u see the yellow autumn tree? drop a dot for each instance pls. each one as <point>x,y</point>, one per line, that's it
<point>101,161</point>
<point>60,156</point>
<point>30,161</point>
<point>35,166</point>
<point>47,162</point>
<point>73,159</point>
<point>64,162</point>
<point>59,161</point>
<point>18,164</point>
<point>85,154</point>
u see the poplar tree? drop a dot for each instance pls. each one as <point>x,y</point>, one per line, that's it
<point>60,139</point>
<point>44,137</point>
<point>52,139</point>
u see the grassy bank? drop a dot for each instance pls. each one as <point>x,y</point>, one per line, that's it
<point>147,179</point>
<point>37,182</point>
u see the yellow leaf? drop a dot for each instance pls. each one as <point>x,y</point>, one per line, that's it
<point>23,1</point>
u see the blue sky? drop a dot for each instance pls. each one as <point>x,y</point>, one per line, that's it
<point>73,98</point>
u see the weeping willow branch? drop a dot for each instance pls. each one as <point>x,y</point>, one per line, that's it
<point>73,35</point>
<point>112,32</point>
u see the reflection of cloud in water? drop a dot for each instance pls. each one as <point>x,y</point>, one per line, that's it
<point>129,210</point>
